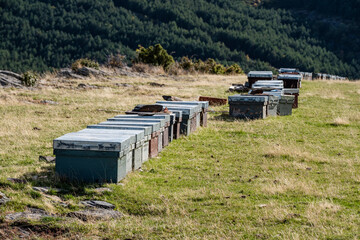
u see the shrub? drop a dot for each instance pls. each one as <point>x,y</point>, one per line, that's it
<point>29,78</point>
<point>156,56</point>
<point>116,61</point>
<point>84,62</point>
<point>234,69</point>
<point>187,64</point>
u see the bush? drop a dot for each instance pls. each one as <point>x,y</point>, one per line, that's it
<point>116,61</point>
<point>234,69</point>
<point>29,78</point>
<point>84,62</point>
<point>156,56</point>
<point>187,64</point>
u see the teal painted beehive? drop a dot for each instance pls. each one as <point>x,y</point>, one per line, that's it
<point>146,129</point>
<point>169,123</point>
<point>163,119</point>
<point>248,106</point>
<point>140,142</point>
<point>285,105</point>
<point>93,156</point>
<point>190,116</point>
<point>155,143</point>
<point>204,108</point>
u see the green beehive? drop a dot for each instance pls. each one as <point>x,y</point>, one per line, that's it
<point>190,116</point>
<point>156,140</point>
<point>139,146</point>
<point>204,108</point>
<point>285,105</point>
<point>93,156</point>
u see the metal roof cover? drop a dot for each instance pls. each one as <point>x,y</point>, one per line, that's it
<point>166,117</point>
<point>288,70</point>
<point>289,76</point>
<point>259,74</point>
<point>269,82</point>
<point>276,93</point>
<point>155,126</point>
<point>161,121</point>
<point>139,134</point>
<point>177,113</point>
<point>147,129</point>
<point>291,90</point>
<point>248,98</point>
<point>188,110</point>
<point>109,142</point>
<point>195,108</point>
<point>203,104</point>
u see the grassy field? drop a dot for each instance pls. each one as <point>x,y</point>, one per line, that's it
<point>293,177</point>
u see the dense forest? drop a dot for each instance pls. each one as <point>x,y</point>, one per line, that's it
<point>315,36</point>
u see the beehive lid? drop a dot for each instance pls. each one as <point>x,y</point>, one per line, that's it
<point>288,70</point>
<point>248,98</point>
<point>260,74</point>
<point>187,109</point>
<point>274,93</point>
<point>90,141</point>
<point>125,119</point>
<point>147,129</point>
<point>291,90</point>
<point>289,76</point>
<point>166,117</point>
<point>265,82</point>
<point>139,134</point>
<point>155,126</point>
<point>203,104</point>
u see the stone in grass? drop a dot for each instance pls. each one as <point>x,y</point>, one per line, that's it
<point>3,198</point>
<point>29,214</point>
<point>97,204</point>
<point>48,159</point>
<point>16,180</point>
<point>96,214</point>
<point>47,189</point>
<point>102,190</point>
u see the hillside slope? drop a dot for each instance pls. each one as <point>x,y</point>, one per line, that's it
<point>43,34</point>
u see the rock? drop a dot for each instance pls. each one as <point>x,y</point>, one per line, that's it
<point>86,71</point>
<point>123,85</point>
<point>171,98</point>
<point>16,180</point>
<point>47,189</point>
<point>101,190</point>
<point>154,84</point>
<point>3,198</point>
<point>36,128</point>
<point>29,214</point>
<point>98,204</point>
<point>96,214</point>
<point>10,79</point>
<point>82,85</point>
<point>48,159</point>
<point>49,102</point>
<point>67,73</point>
<point>262,205</point>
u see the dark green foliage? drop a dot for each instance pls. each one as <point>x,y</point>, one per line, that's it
<point>234,69</point>
<point>29,78</point>
<point>84,62</point>
<point>155,55</point>
<point>46,34</point>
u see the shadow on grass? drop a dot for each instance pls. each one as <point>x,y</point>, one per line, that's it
<point>225,117</point>
<point>48,178</point>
